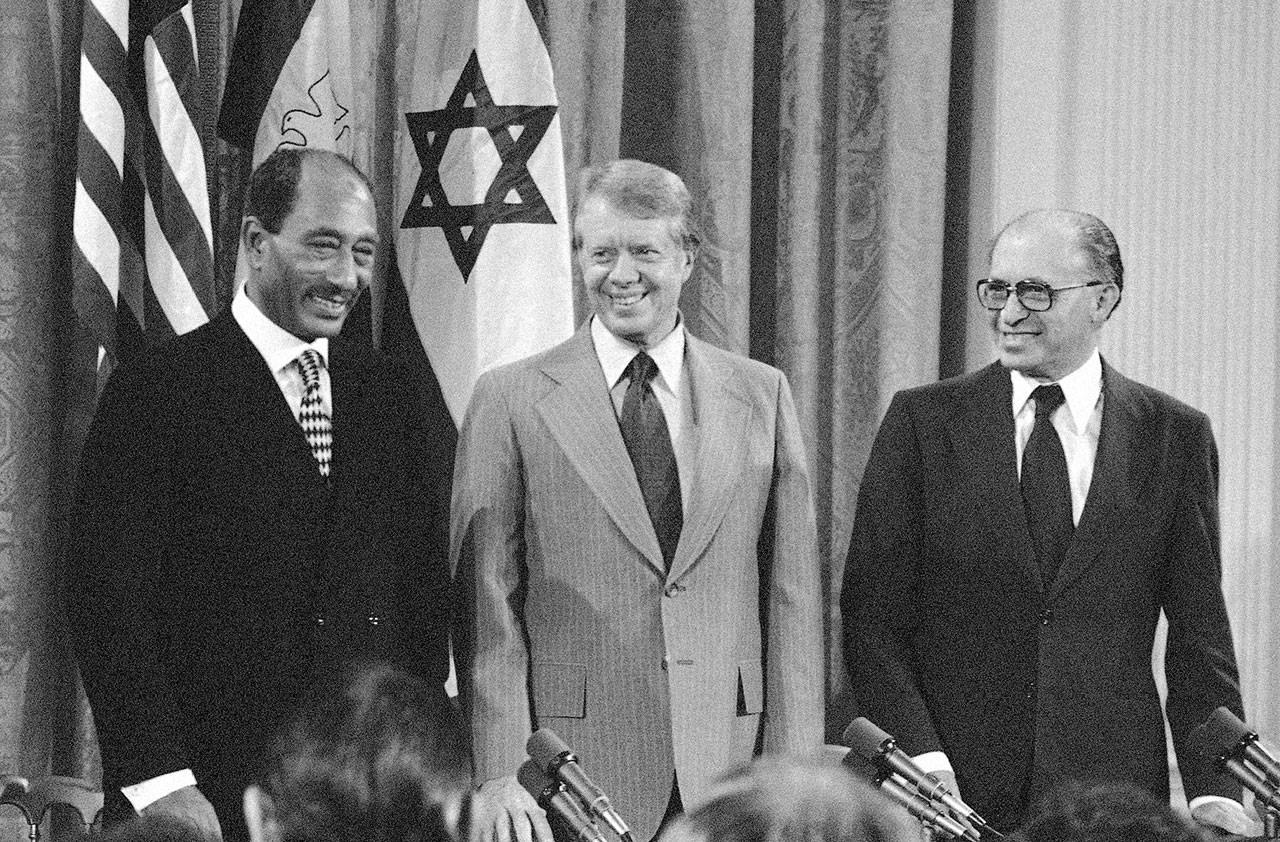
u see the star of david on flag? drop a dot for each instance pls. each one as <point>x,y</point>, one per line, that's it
<point>483,241</point>
<point>513,196</point>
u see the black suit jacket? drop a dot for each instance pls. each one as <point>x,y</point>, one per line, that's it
<point>954,641</point>
<point>214,574</point>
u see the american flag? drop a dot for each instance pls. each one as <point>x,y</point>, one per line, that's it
<point>142,266</point>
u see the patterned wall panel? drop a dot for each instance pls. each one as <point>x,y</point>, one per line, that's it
<point>26,571</point>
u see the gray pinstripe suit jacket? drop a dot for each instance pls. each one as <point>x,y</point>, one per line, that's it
<point>574,623</point>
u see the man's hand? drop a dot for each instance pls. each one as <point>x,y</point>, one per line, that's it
<point>188,805</point>
<point>504,812</point>
<point>1227,816</point>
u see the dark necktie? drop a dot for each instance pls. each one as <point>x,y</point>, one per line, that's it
<point>1046,487</point>
<point>316,424</point>
<point>644,431</point>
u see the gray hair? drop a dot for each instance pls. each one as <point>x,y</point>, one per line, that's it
<point>641,190</point>
<point>1089,234</point>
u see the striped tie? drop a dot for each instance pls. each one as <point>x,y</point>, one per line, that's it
<point>314,420</point>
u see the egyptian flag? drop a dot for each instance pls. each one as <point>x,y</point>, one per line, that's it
<point>289,80</point>
<point>142,263</point>
<point>480,200</point>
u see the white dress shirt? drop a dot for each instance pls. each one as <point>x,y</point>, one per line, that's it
<point>279,349</point>
<point>1078,421</point>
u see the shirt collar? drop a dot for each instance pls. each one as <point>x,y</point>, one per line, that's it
<point>1081,388</point>
<point>277,346</point>
<point>615,354</point>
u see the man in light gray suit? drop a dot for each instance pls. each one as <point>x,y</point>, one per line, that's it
<point>633,531</point>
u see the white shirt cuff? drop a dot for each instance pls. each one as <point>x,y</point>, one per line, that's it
<point>933,761</point>
<point>1209,799</point>
<point>153,789</point>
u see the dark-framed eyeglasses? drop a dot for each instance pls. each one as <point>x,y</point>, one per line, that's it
<point>1034,295</point>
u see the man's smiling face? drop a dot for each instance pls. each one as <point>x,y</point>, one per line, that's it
<point>1050,344</point>
<point>307,276</point>
<point>633,270</point>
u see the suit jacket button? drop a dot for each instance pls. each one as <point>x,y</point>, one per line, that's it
<point>1046,616</point>
<point>665,662</point>
<point>673,590</point>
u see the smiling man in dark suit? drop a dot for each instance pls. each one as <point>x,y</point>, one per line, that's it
<point>253,510</point>
<point>1019,531</point>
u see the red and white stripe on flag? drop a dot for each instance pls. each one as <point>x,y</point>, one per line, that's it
<point>484,241</point>
<point>143,260</point>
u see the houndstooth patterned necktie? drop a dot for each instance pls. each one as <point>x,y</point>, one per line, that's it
<point>315,422</point>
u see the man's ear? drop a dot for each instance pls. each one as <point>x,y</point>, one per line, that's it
<point>690,258</point>
<point>260,815</point>
<point>252,235</point>
<point>1106,302</point>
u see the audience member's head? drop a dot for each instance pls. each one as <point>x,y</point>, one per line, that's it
<point>377,759</point>
<point>776,799</point>
<point>1104,812</point>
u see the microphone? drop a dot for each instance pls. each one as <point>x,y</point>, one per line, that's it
<point>552,797</point>
<point>873,743</point>
<point>1229,745</point>
<point>923,809</point>
<point>553,756</point>
<point>1227,730</point>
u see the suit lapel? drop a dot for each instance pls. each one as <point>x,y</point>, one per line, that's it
<point>579,414</point>
<point>982,434</point>
<point>721,416</point>
<point>348,377</point>
<point>1122,466</point>
<point>259,416</point>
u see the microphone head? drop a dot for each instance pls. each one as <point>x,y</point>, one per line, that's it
<point>1220,736</point>
<point>536,782</point>
<point>865,737</point>
<point>546,747</point>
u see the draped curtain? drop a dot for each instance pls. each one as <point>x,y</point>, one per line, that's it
<point>813,135</point>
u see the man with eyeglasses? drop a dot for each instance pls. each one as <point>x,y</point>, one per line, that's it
<point>1019,530</point>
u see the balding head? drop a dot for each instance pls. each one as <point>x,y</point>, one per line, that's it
<point>1075,257</point>
<point>1097,245</point>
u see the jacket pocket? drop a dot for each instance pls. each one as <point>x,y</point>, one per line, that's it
<point>560,690</point>
<point>750,687</point>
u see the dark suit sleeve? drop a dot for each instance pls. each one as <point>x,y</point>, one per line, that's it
<point>428,445</point>
<point>121,517</point>
<point>879,598</point>
<point>1200,663</point>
